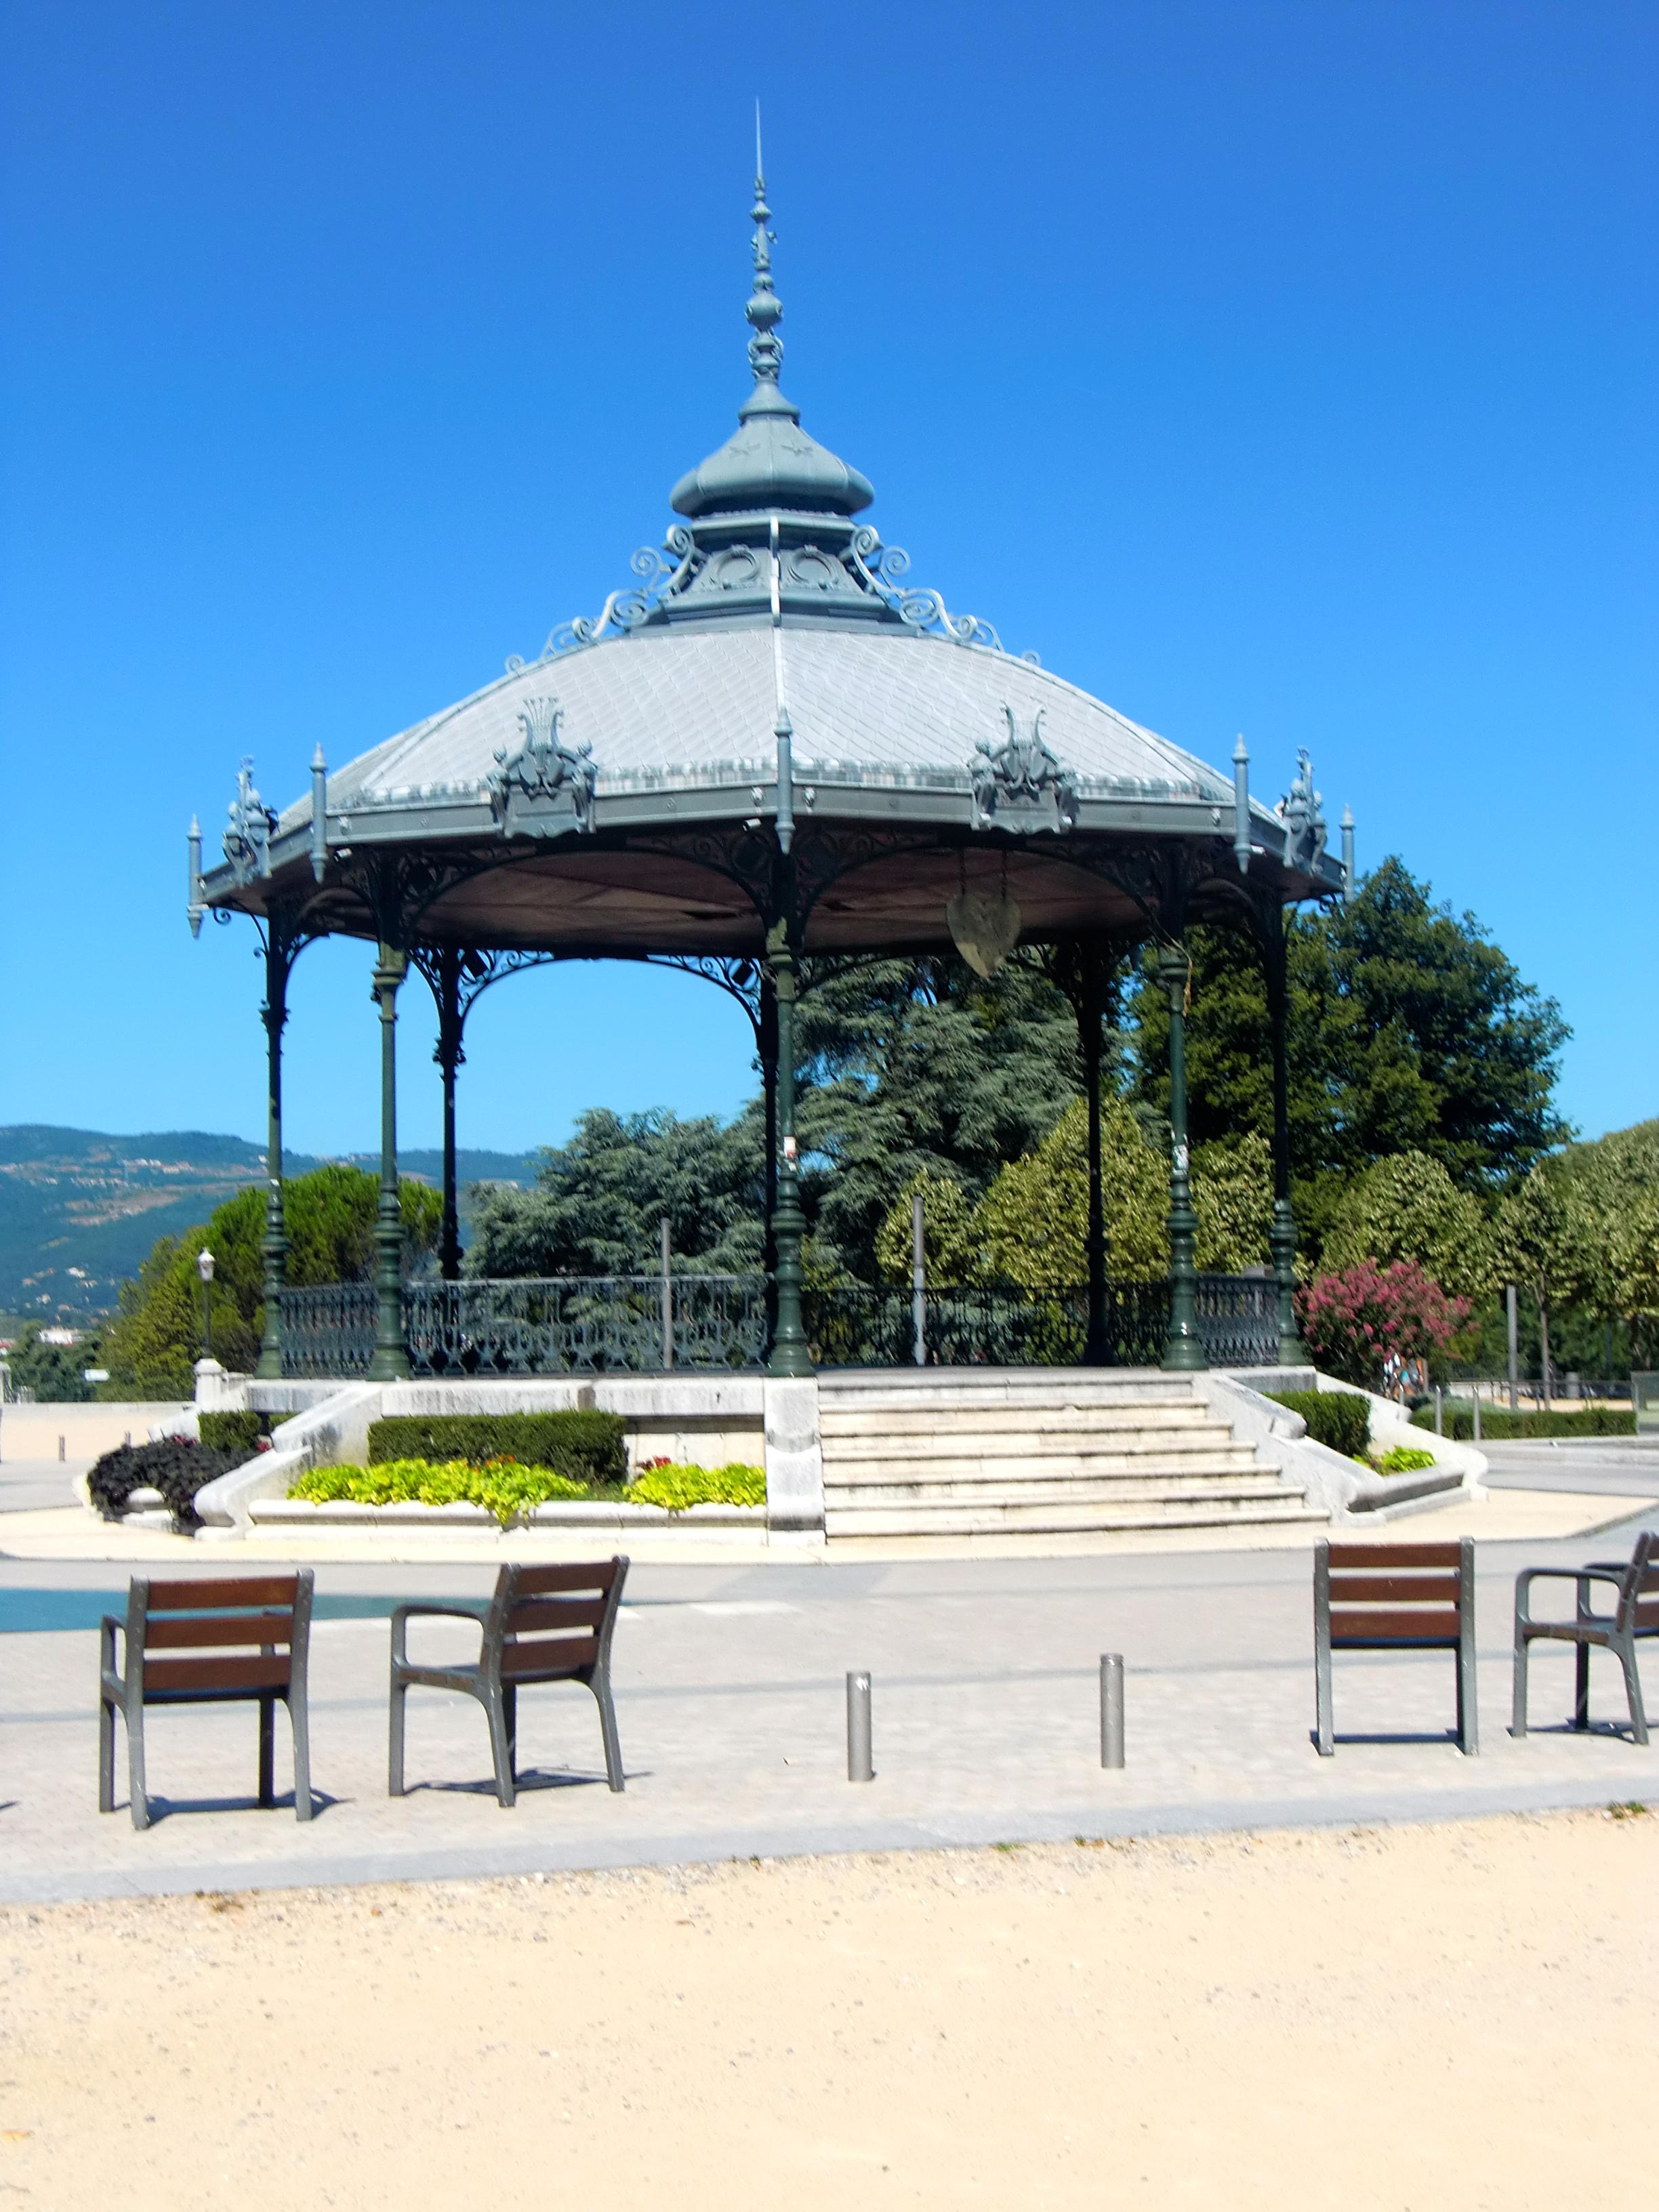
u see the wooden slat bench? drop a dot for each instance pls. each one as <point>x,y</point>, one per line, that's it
<point>1394,1597</point>
<point>1635,1614</point>
<point>548,1624</point>
<point>209,1640</point>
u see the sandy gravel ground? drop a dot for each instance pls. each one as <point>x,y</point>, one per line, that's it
<point>1412,2018</point>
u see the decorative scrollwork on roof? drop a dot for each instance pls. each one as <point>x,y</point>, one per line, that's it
<point>545,788</point>
<point>1020,785</point>
<point>880,567</point>
<point>1305,821</point>
<point>627,609</point>
<point>248,839</point>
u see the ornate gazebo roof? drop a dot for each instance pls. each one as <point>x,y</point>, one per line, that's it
<point>769,674</point>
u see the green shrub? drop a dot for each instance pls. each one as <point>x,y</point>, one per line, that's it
<point>175,1465</point>
<point>586,1448</point>
<point>239,1432</point>
<point>1499,1423</point>
<point>1401,1459</point>
<point>1341,1419</point>
<point>677,1487</point>
<point>508,1488</point>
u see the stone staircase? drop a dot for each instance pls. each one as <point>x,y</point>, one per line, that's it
<point>1023,1452</point>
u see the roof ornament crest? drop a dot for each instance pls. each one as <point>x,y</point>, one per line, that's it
<point>247,838</point>
<point>544,788</point>
<point>1020,785</point>
<point>1304,822</point>
<point>626,609</point>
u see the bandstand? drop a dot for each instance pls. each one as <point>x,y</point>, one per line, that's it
<point>768,755</point>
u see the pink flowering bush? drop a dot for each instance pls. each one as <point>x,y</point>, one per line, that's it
<point>1373,1325</point>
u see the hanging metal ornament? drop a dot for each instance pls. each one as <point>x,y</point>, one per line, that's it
<point>984,924</point>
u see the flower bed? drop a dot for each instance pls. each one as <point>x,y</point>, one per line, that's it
<point>512,1490</point>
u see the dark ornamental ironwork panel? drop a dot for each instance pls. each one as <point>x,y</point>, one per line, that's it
<point>329,1328</point>
<point>1238,1320</point>
<point>584,1324</point>
<point>854,1326</point>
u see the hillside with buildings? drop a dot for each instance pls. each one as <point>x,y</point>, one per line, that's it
<point>80,1209</point>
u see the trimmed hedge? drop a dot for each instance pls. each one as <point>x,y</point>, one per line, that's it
<point>677,1487</point>
<point>177,1467</point>
<point>238,1432</point>
<point>1341,1419</point>
<point>585,1447</point>
<point>1498,1423</point>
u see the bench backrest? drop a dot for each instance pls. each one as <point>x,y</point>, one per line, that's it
<point>556,1620</point>
<point>219,1633</point>
<point>1396,1592</point>
<point>1639,1600</point>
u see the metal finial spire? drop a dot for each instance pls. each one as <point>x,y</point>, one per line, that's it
<point>765,309</point>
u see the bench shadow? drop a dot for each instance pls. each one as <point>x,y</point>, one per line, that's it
<point>1618,1731</point>
<point>529,1778</point>
<point>163,1807</point>
<point>1391,1735</point>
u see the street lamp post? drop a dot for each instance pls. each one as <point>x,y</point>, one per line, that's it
<point>204,1265</point>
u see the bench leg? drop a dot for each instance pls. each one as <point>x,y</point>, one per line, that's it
<point>505,1793</point>
<point>613,1761</point>
<point>1518,1713</point>
<point>1323,1722</point>
<point>299,1715</point>
<point>510,1717</point>
<point>1468,1717</point>
<point>267,1750</point>
<point>106,1755</point>
<point>136,1796</point>
<point>394,1759</point>
<point>1638,1719</point>
<point>1581,1686</point>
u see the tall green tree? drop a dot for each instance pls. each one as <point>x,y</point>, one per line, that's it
<point>157,1335</point>
<point>1410,1031</point>
<point>919,1066</point>
<point>1407,1208</point>
<point>597,1206</point>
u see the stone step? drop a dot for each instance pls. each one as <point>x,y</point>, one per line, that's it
<point>1069,1520</point>
<point>932,1388</point>
<point>976,1442</point>
<point>948,1465</point>
<point>1122,1490</point>
<point>836,1420</point>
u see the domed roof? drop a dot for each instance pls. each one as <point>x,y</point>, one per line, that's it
<point>770,667</point>
<point>693,707</point>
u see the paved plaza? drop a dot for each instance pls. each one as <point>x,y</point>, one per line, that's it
<point>731,1701</point>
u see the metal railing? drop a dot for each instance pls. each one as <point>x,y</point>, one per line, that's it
<point>627,1324</point>
<point>328,1329</point>
<point>585,1324</point>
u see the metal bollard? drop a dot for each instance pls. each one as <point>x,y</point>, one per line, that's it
<point>1111,1709</point>
<point>1439,1410</point>
<point>62,1454</point>
<point>1477,1416</point>
<point>859,1767</point>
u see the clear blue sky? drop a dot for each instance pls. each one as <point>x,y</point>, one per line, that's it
<point>1284,367</point>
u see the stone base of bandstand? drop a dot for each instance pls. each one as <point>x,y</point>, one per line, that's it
<point>917,1456</point>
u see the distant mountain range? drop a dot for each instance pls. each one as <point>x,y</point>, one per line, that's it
<point>79,1210</point>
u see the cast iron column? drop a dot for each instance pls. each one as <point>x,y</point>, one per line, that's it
<point>391,1361</point>
<point>1097,1342</point>
<point>791,1354</point>
<point>1183,1348</point>
<point>766,1039</point>
<point>274,1245</point>
<point>449,1056</point>
<point>1281,1237</point>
